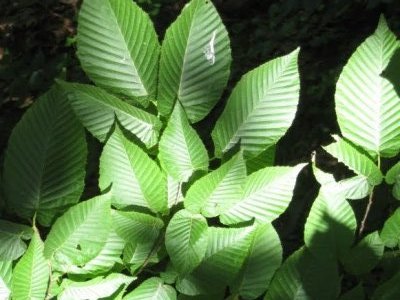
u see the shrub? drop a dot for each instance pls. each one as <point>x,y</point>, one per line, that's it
<point>169,220</point>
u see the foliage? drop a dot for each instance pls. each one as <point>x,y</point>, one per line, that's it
<point>168,221</point>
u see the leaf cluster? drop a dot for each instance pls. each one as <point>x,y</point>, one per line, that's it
<point>165,224</point>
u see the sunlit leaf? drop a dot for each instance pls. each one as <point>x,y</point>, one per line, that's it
<point>134,178</point>
<point>186,240</point>
<point>355,160</point>
<point>261,107</point>
<point>263,259</point>
<point>267,194</point>
<point>118,47</point>
<point>152,289</point>
<point>5,278</point>
<point>181,150</point>
<point>32,272</point>
<point>93,289</point>
<point>218,190</point>
<point>367,105</point>
<point>195,61</point>
<point>98,110</point>
<point>79,235</point>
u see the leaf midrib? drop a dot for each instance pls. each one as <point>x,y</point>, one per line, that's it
<point>116,21</point>
<point>236,136</point>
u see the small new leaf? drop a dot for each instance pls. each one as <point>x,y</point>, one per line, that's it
<point>12,235</point>
<point>218,190</point>
<point>355,160</point>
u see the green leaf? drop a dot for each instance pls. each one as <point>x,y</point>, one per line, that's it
<point>390,233</point>
<point>79,235</point>
<point>135,179</point>
<point>108,256</point>
<point>93,289</point>
<point>186,240</point>
<point>262,160</point>
<point>261,107</point>
<point>32,272</point>
<point>136,227</point>
<point>367,106</point>
<point>356,187</point>
<point>141,232</point>
<point>195,61</point>
<point>152,289</point>
<point>54,288</point>
<point>356,293</point>
<point>137,254</point>
<point>5,278</point>
<point>356,161</point>
<point>170,274</point>
<point>98,111</point>
<point>226,252</point>
<point>393,177</point>
<point>5,291</point>
<point>304,277</point>
<point>118,47</point>
<point>323,178</point>
<point>267,194</point>
<point>212,295</point>
<point>330,226</point>
<point>362,258</point>
<point>175,195</point>
<point>392,72</point>
<point>181,150</point>
<point>213,193</point>
<point>353,188</point>
<point>12,235</point>
<point>389,290</point>
<point>263,259</point>
<point>44,167</point>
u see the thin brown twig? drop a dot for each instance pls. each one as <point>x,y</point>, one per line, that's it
<point>367,210</point>
<point>153,250</point>
<point>369,205</point>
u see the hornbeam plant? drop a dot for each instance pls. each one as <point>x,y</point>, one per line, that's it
<point>164,224</point>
